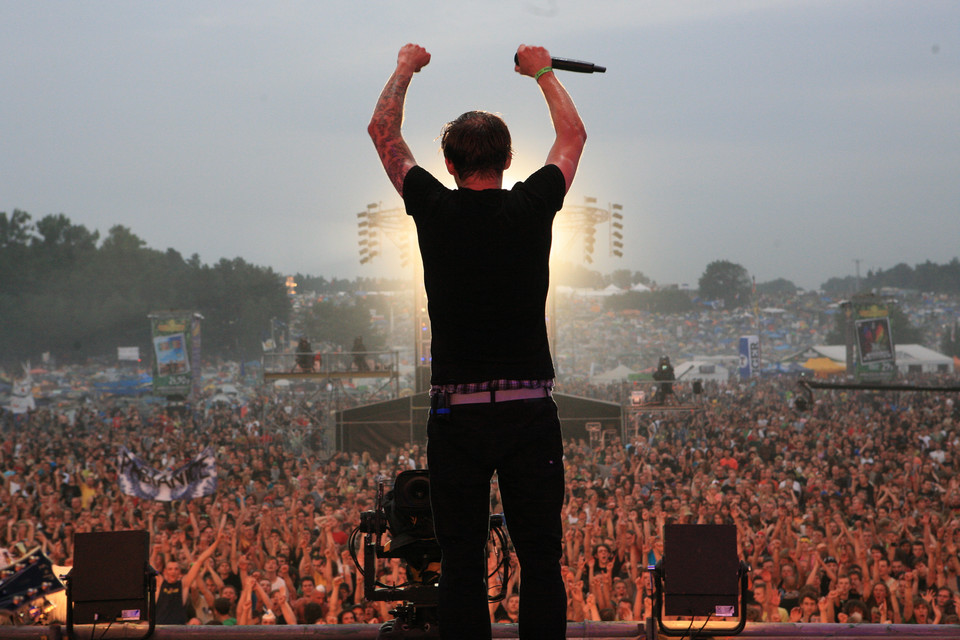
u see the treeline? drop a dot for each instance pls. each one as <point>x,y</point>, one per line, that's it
<point>322,286</point>
<point>927,277</point>
<point>66,292</point>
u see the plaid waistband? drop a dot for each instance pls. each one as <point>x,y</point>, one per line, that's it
<point>490,385</point>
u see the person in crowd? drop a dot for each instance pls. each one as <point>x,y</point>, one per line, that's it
<point>173,587</point>
<point>304,355</point>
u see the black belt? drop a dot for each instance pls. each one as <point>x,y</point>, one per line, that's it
<point>502,395</point>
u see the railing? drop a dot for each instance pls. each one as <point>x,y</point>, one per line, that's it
<point>623,630</point>
<point>332,364</point>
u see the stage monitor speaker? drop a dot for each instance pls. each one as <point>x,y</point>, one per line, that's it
<point>701,570</point>
<point>109,579</point>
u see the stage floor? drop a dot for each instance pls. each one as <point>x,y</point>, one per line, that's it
<point>591,630</point>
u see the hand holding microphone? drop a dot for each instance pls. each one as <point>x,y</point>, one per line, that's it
<point>565,64</point>
<point>560,64</point>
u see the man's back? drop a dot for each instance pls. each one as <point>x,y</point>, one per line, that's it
<point>485,256</point>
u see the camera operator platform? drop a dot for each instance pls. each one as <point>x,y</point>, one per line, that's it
<point>665,376</point>
<point>404,513</point>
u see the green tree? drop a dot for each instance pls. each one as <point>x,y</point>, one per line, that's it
<point>624,278</point>
<point>621,278</point>
<point>57,232</point>
<point>727,281</point>
<point>900,276</point>
<point>778,287</point>
<point>61,293</point>
<point>840,287</point>
<point>15,229</point>
<point>16,233</point>
<point>950,344</point>
<point>901,330</point>
<point>928,276</point>
<point>669,301</point>
<point>578,276</point>
<point>237,300</point>
<point>340,323</point>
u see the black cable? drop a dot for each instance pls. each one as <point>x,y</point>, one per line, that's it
<point>700,630</point>
<point>503,566</point>
<point>376,583</point>
<point>104,634</point>
<point>363,574</point>
<point>353,550</point>
<point>709,615</point>
<point>690,628</point>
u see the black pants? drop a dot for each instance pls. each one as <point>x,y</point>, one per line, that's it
<point>521,441</point>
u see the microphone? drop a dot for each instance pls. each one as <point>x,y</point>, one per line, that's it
<point>564,64</point>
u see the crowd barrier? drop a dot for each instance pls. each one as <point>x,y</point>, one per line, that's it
<point>584,630</point>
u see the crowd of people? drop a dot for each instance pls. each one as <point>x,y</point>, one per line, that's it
<point>847,512</point>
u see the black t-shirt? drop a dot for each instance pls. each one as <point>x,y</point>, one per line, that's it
<point>170,607</point>
<point>486,272</point>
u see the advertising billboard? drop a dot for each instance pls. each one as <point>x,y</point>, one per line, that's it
<point>175,337</point>
<point>749,356</point>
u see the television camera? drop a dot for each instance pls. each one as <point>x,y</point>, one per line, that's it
<point>404,516</point>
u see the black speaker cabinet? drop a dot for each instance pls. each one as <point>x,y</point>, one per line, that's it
<point>109,581</point>
<point>700,570</point>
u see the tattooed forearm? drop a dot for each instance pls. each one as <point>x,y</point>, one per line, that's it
<point>385,131</point>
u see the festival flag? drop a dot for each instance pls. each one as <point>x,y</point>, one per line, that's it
<point>195,479</point>
<point>21,396</point>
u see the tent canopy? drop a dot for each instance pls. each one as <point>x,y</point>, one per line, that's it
<point>823,367</point>
<point>620,372</point>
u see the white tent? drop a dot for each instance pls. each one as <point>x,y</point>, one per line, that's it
<point>916,358</point>
<point>911,358</point>
<point>620,372</point>
<point>611,290</point>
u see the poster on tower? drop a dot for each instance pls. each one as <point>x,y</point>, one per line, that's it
<point>175,339</point>
<point>872,346</point>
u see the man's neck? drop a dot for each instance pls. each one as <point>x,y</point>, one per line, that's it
<point>481,182</point>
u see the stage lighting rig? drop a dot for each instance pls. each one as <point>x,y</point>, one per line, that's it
<point>581,221</point>
<point>375,223</point>
<point>375,227</point>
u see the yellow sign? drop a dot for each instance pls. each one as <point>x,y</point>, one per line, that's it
<point>171,326</point>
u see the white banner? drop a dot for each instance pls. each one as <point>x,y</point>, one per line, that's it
<point>194,479</point>
<point>21,397</point>
<point>22,404</point>
<point>130,354</point>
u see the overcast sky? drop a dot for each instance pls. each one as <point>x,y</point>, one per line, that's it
<point>790,137</point>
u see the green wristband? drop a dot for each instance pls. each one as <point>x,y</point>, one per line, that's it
<point>542,71</point>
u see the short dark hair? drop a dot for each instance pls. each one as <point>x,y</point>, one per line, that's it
<point>312,612</point>
<point>478,142</point>
<point>221,606</point>
<point>851,605</point>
